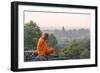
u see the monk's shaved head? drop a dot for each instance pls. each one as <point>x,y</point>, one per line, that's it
<point>45,35</point>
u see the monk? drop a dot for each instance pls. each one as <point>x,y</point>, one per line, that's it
<point>43,49</point>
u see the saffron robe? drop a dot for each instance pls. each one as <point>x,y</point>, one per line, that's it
<point>42,48</point>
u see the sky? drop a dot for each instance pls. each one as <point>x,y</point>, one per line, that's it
<point>48,20</point>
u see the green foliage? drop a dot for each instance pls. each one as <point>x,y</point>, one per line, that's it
<point>77,50</point>
<point>31,35</point>
<point>61,53</point>
<point>52,42</point>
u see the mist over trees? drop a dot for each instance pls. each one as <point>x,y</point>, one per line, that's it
<point>77,50</point>
<point>70,44</point>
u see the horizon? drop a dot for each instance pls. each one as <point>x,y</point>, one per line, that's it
<point>65,29</point>
<point>58,20</point>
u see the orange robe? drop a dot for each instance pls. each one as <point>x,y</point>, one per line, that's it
<point>42,48</point>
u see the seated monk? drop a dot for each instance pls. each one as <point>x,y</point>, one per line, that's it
<point>43,49</point>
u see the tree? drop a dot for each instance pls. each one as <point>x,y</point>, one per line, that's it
<point>78,50</point>
<point>52,42</point>
<point>31,35</point>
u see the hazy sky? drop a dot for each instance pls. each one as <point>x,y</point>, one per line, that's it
<point>58,20</point>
